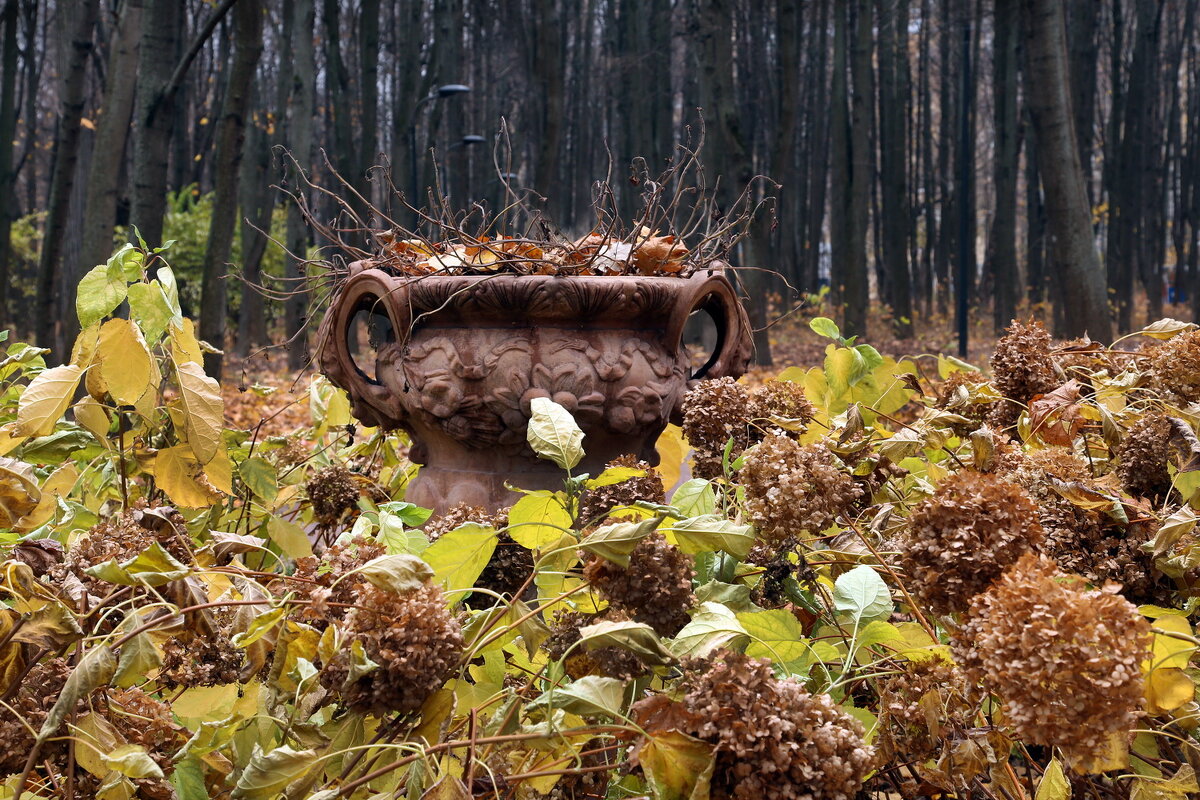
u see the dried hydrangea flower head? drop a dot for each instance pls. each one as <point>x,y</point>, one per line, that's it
<point>958,394</point>
<point>1143,456</point>
<point>792,488</point>
<point>510,564</point>
<point>656,587</point>
<point>319,580</point>
<point>1022,368</point>
<point>595,504</point>
<point>922,709</point>
<point>960,540</point>
<point>332,492</point>
<point>25,712</point>
<point>412,640</point>
<point>145,721</point>
<point>784,401</point>
<point>612,662</point>
<point>714,412</point>
<point>1174,368</point>
<point>774,740</point>
<point>1065,661</point>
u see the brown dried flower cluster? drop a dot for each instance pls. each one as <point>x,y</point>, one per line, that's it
<point>1174,367</point>
<point>1022,368</point>
<point>27,710</point>
<point>411,639</point>
<point>612,662</point>
<point>510,565</point>
<point>714,412</point>
<point>774,740</point>
<point>656,587</point>
<point>1065,661</point>
<point>721,409</point>
<point>202,658</point>
<point>142,720</point>
<point>792,487</point>
<point>318,580</point>
<point>922,709</point>
<point>957,394</point>
<point>594,504</point>
<point>960,540</point>
<point>1143,455</point>
<point>332,491</point>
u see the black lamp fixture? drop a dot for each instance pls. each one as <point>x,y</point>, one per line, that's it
<point>443,91</point>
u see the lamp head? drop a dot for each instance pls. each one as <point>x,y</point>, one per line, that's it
<point>452,88</point>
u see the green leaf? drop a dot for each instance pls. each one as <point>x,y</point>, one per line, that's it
<point>458,557</point>
<point>844,367</point>
<point>139,657</point>
<point>132,761</point>
<point>154,566</point>
<point>554,434</point>
<point>589,696</point>
<point>823,326</point>
<point>734,596</point>
<point>260,477</point>
<point>538,519</point>
<point>100,291</point>
<point>188,779</point>
<point>677,766</point>
<point>290,537</point>
<point>713,532</point>
<point>268,774</point>
<point>398,573</point>
<point>775,634</point>
<point>1054,784</point>
<point>712,626</point>
<point>636,637</point>
<point>694,498</point>
<point>410,514</point>
<point>150,308</point>
<point>862,595</point>
<point>128,260</point>
<point>616,541</point>
<point>259,627</point>
<point>94,670</point>
<point>395,537</point>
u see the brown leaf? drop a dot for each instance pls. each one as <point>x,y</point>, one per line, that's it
<point>1055,416</point>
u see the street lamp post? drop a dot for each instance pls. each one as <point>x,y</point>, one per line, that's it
<point>466,141</point>
<point>441,92</point>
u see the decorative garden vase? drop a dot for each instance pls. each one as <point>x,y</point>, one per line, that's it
<point>469,353</point>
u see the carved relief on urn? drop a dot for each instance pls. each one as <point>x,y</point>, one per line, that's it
<point>469,353</point>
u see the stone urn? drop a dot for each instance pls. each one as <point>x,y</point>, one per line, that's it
<point>463,356</point>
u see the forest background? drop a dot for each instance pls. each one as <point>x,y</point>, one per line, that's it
<point>922,149</point>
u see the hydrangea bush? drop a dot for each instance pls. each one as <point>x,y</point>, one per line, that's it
<point>868,578</point>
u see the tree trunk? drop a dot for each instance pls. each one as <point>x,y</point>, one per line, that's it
<point>839,170</point>
<point>300,121</point>
<point>62,176</point>
<point>231,137</point>
<point>1068,215</point>
<point>857,297</point>
<point>154,113</point>
<point>256,198</point>
<point>1005,275</point>
<point>548,73</point>
<point>8,129</point>
<point>108,156</point>
<point>893,145</point>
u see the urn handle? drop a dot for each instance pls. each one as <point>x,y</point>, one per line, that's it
<point>712,293</point>
<point>379,294</point>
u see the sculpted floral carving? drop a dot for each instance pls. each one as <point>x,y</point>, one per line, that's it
<point>473,352</point>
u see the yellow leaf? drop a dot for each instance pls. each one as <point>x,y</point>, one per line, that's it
<point>91,415</point>
<point>184,345</point>
<point>177,473</point>
<point>58,484</point>
<point>45,400</point>
<point>1169,651</point>
<point>204,409</point>
<point>537,520</point>
<point>1054,784</point>
<point>672,450</point>
<point>19,492</point>
<point>1169,688</point>
<point>125,361</point>
<point>96,736</point>
<point>676,766</point>
<point>1182,786</point>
